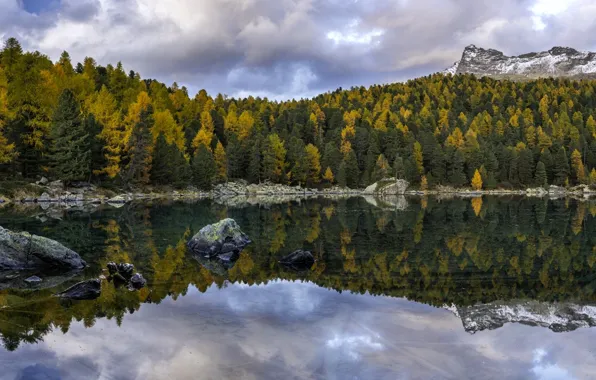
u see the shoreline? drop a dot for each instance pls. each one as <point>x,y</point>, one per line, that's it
<point>53,195</point>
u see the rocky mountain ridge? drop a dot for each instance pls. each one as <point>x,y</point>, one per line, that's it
<point>556,62</point>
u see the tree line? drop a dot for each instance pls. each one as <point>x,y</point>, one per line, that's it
<point>87,122</point>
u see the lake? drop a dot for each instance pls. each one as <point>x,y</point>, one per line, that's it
<point>482,288</point>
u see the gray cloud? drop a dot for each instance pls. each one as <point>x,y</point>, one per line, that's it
<point>284,48</point>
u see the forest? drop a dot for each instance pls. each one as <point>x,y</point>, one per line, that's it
<point>92,123</point>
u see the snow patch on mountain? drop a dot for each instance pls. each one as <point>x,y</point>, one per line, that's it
<point>556,62</point>
<point>557,317</point>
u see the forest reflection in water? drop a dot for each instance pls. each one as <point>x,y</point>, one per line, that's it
<point>489,260</point>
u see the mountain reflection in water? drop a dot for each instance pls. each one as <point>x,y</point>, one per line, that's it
<point>450,272</point>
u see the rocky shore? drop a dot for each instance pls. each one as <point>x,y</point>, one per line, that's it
<point>54,194</point>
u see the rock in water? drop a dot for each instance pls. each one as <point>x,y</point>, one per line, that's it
<point>25,251</point>
<point>112,267</point>
<point>126,269</point>
<point>298,260</point>
<point>33,280</point>
<point>137,281</point>
<point>86,290</point>
<point>222,237</point>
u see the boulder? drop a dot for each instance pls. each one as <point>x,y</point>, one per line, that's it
<point>137,281</point>
<point>42,181</point>
<point>25,251</point>
<point>112,267</point>
<point>126,269</point>
<point>222,237</point>
<point>298,260</point>
<point>45,197</point>
<point>86,290</point>
<point>388,186</point>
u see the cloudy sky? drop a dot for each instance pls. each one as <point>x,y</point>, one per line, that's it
<point>291,48</point>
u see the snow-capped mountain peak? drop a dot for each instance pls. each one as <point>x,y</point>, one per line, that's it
<point>556,62</point>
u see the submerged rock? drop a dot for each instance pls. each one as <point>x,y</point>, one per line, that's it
<point>137,281</point>
<point>298,260</point>
<point>222,237</point>
<point>25,251</point>
<point>33,280</point>
<point>86,290</point>
<point>112,267</point>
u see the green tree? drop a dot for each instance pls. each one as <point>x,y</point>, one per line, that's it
<point>203,168</point>
<point>139,151</point>
<point>70,155</point>
<point>540,176</point>
<point>560,167</point>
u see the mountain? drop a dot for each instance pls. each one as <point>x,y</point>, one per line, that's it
<point>558,317</point>
<point>556,62</point>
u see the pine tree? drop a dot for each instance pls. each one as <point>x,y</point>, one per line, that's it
<point>204,171</point>
<point>560,168</point>
<point>540,176</point>
<point>221,163</point>
<point>525,166</point>
<point>352,170</point>
<point>398,168</point>
<point>70,155</point>
<point>161,164</point>
<point>342,175</point>
<point>139,150</point>
<point>254,160</point>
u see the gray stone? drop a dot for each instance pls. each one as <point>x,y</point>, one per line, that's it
<point>45,197</point>
<point>137,281</point>
<point>298,260</point>
<point>222,237</point>
<point>33,279</point>
<point>42,181</point>
<point>23,250</point>
<point>86,290</point>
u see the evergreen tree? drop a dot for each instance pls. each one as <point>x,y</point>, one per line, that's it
<point>254,160</point>
<point>203,168</point>
<point>540,176</point>
<point>560,168</point>
<point>352,170</point>
<point>70,155</point>
<point>525,167</point>
<point>342,175</point>
<point>381,169</point>
<point>455,173</point>
<point>398,168</point>
<point>139,152</point>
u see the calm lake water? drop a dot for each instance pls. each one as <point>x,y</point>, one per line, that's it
<point>488,288</point>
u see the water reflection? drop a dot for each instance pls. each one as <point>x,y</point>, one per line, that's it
<point>479,264</point>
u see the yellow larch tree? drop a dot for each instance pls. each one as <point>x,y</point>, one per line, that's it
<point>6,149</point>
<point>328,176</point>
<point>578,166</point>
<point>245,124</point>
<point>477,181</point>
<point>205,134</point>
<point>104,108</point>
<point>221,163</point>
<point>313,158</point>
<point>164,123</point>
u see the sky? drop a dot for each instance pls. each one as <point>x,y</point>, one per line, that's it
<point>285,49</point>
